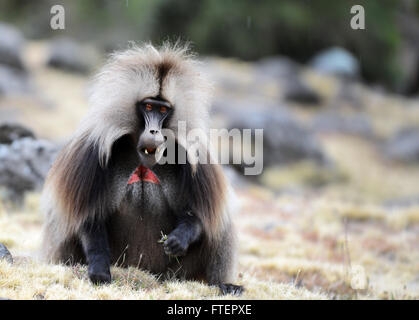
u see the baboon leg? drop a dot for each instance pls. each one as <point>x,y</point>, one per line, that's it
<point>94,239</point>
<point>229,288</point>
<point>220,267</point>
<point>188,230</point>
<point>5,254</point>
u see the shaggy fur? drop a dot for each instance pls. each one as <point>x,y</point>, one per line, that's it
<point>84,185</point>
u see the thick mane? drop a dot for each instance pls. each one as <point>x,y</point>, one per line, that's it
<point>79,180</point>
<point>93,216</point>
<point>206,191</point>
<point>129,76</point>
<point>79,184</point>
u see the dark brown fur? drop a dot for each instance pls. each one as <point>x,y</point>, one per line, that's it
<point>82,195</point>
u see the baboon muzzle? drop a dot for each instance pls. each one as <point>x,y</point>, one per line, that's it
<point>152,138</point>
<point>151,142</point>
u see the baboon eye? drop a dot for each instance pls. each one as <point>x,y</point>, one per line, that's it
<point>148,107</point>
<point>163,109</point>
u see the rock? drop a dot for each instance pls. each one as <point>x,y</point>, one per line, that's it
<point>348,94</point>
<point>298,91</point>
<point>287,74</point>
<point>405,202</point>
<point>13,81</point>
<point>276,67</point>
<point>337,61</point>
<point>5,254</point>
<point>11,44</point>
<point>68,55</point>
<point>24,165</point>
<point>404,146</point>
<point>357,124</point>
<point>285,140</point>
<point>10,132</point>
<point>408,53</point>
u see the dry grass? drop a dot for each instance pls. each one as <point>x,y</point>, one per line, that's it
<point>28,278</point>
<point>291,247</point>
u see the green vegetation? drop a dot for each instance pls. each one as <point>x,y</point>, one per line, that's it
<point>244,29</point>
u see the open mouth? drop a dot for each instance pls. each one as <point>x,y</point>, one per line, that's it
<point>149,151</point>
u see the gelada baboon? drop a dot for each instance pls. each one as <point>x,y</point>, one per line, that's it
<point>108,200</point>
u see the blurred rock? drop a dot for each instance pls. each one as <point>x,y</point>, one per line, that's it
<point>277,67</point>
<point>285,140</point>
<point>5,254</point>
<point>337,61</point>
<point>69,55</point>
<point>286,73</point>
<point>10,132</point>
<point>408,53</point>
<point>349,94</point>
<point>24,165</point>
<point>11,44</point>
<point>298,91</point>
<point>349,124</point>
<point>404,146</point>
<point>405,202</point>
<point>13,81</point>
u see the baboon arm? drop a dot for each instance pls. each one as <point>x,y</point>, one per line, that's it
<point>187,231</point>
<point>94,239</point>
<point>190,227</point>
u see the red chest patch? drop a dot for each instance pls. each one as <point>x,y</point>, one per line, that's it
<point>143,174</point>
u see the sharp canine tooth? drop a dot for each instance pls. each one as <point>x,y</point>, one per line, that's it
<point>146,151</point>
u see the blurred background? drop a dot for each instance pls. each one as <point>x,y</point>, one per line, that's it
<point>335,212</point>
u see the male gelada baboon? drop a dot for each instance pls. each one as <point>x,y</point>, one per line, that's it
<point>107,198</point>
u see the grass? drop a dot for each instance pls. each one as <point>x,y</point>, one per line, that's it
<point>28,278</point>
<point>291,247</point>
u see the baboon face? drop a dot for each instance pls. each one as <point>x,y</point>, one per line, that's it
<point>153,114</point>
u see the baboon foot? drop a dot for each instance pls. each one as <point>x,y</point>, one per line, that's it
<point>228,288</point>
<point>99,277</point>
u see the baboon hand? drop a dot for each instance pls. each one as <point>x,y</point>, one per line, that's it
<point>176,244</point>
<point>99,275</point>
<point>228,288</point>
